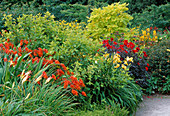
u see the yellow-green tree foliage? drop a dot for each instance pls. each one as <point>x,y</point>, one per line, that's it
<point>108,20</point>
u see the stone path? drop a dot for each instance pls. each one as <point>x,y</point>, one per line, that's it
<point>157,105</point>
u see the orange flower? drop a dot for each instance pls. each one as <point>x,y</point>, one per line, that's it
<point>64,67</point>
<point>74,92</point>
<point>83,93</point>
<point>5,59</point>
<point>54,77</point>
<point>45,75</point>
<point>57,62</point>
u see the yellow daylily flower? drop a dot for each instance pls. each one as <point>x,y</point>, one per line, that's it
<point>117,66</point>
<point>129,59</point>
<point>123,66</point>
<point>125,62</point>
<point>168,50</point>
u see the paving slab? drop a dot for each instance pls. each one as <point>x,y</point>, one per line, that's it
<point>157,105</point>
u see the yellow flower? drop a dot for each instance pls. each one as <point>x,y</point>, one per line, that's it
<point>148,30</point>
<point>154,33</point>
<point>123,66</point>
<point>125,62</point>
<point>144,33</point>
<point>148,34</point>
<point>168,50</point>
<point>129,59</point>
<point>105,55</point>
<point>117,66</point>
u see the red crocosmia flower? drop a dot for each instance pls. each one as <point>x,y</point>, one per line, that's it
<point>38,82</point>
<point>45,50</point>
<point>138,63</point>
<point>146,68</point>
<point>66,83</point>
<point>121,46</point>
<point>74,92</point>
<point>21,42</point>
<point>26,42</point>
<point>68,72</point>
<point>64,67</point>
<point>8,40</point>
<point>5,60</point>
<point>45,75</point>
<point>19,49</point>
<point>72,73</point>
<point>1,45</point>
<point>81,83</point>
<point>72,86</point>
<point>77,87</point>
<point>54,77</point>
<point>148,65</point>
<point>30,55</point>
<point>83,93</point>
<point>57,62</point>
<point>19,54</point>
<point>115,43</point>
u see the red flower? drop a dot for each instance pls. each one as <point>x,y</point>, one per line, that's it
<point>137,49</point>
<point>111,39</point>
<point>125,42</point>
<point>5,60</point>
<point>148,65</point>
<point>83,93</point>
<point>45,75</point>
<point>115,43</point>
<point>151,28</point>
<point>64,67</point>
<point>54,77</point>
<point>138,63</point>
<point>57,62</point>
<point>146,68</point>
<point>155,28</point>
<point>74,92</point>
<point>132,45</point>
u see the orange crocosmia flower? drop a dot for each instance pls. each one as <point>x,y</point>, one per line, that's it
<point>21,42</point>
<point>26,42</point>
<point>57,62</point>
<point>45,75</point>
<point>19,49</point>
<point>19,54</point>
<point>77,87</point>
<point>72,73</point>
<point>54,77</point>
<point>64,67</point>
<point>81,83</point>
<point>68,72</point>
<point>74,92</point>
<point>38,82</point>
<point>83,93</point>
<point>66,84</point>
<point>30,55</point>
<point>45,50</point>
<point>5,60</point>
<point>72,86</point>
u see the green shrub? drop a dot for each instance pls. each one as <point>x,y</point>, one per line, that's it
<point>16,10</point>
<point>108,20</point>
<point>159,67</point>
<point>32,99</point>
<point>105,82</point>
<point>152,16</point>
<point>105,110</point>
<point>37,29</point>
<point>138,5</point>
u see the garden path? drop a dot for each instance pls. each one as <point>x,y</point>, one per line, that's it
<point>157,105</point>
